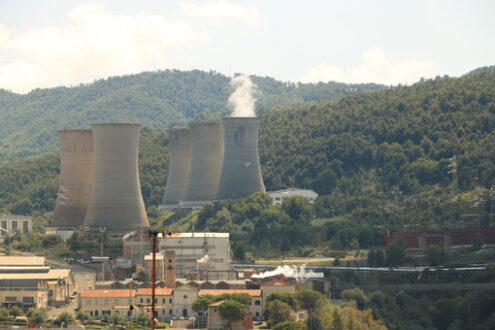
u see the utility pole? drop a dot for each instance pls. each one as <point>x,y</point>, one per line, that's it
<point>102,231</point>
<point>153,234</point>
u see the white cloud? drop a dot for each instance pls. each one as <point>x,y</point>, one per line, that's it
<point>222,10</point>
<point>93,44</point>
<point>376,68</point>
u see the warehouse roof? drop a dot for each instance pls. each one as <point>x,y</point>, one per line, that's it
<point>21,261</point>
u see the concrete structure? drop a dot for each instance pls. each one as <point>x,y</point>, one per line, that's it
<point>148,267</point>
<point>275,285</point>
<point>241,172</point>
<point>190,247</point>
<point>76,178</point>
<point>10,223</point>
<point>279,195</point>
<point>180,165</point>
<point>116,202</point>
<point>206,164</point>
<point>170,268</point>
<point>26,282</point>
<point>135,246</point>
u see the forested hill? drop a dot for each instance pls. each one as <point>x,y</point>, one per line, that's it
<point>29,123</point>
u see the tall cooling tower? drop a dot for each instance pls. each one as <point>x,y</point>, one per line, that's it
<point>180,164</point>
<point>206,163</point>
<point>116,202</point>
<point>241,173</point>
<point>76,177</point>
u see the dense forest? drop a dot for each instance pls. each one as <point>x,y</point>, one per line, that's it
<point>29,123</point>
<point>378,160</point>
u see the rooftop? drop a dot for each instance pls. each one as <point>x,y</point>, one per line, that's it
<point>195,235</point>
<point>218,292</point>
<point>108,293</point>
<point>158,291</point>
<point>21,261</point>
<point>52,274</point>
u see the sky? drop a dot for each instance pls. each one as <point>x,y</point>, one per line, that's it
<point>68,42</point>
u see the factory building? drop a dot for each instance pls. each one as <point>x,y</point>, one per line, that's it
<point>241,171</point>
<point>279,195</point>
<point>202,255</point>
<point>27,282</point>
<point>180,165</point>
<point>10,223</point>
<point>76,178</point>
<point>116,202</point>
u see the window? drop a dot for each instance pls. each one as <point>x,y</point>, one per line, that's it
<point>28,299</point>
<point>257,313</point>
<point>129,301</point>
<point>4,226</point>
<point>10,298</point>
<point>163,300</point>
<point>257,302</point>
<point>88,301</point>
<point>91,313</point>
<point>106,301</point>
<point>25,227</point>
<point>96,301</point>
<point>148,300</point>
<point>170,300</point>
<point>107,312</point>
<point>185,296</point>
<point>14,224</point>
<point>170,312</point>
<point>50,293</point>
<point>156,301</point>
<point>141,300</point>
<point>116,302</point>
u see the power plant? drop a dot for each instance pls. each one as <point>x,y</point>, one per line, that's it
<point>116,202</point>
<point>241,172</point>
<point>180,165</point>
<point>76,177</point>
<point>206,163</point>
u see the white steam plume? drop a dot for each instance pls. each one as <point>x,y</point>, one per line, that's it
<point>206,258</point>
<point>242,99</point>
<point>299,273</point>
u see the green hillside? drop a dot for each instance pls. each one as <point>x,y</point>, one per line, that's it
<point>29,123</point>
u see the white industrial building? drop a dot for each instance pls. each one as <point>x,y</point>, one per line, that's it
<point>279,195</point>
<point>199,255</point>
<point>10,223</point>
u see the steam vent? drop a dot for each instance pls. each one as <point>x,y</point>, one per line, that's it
<point>180,164</point>
<point>116,202</point>
<point>206,163</point>
<point>241,173</point>
<point>76,177</point>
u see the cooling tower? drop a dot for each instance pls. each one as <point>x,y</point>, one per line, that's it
<point>180,164</point>
<point>206,163</point>
<point>116,202</point>
<point>241,173</point>
<point>76,177</point>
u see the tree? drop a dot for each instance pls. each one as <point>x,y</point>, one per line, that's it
<point>117,319</point>
<point>240,251</point>
<point>298,208</point>
<point>310,301</point>
<point>357,295</point>
<point>64,319</point>
<point>144,319</point>
<point>434,254</point>
<point>286,297</point>
<point>232,311</point>
<point>82,316</point>
<point>15,311</point>
<point>477,242</point>
<point>36,316</point>
<point>242,298</point>
<point>200,305</point>
<point>277,312</point>
<point>290,325</point>
<point>396,252</point>
<point>337,323</point>
<point>4,314</point>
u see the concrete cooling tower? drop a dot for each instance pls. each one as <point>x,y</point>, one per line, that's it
<point>241,173</point>
<point>76,177</point>
<point>116,202</point>
<point>180,164</point>
<point>206,163</point>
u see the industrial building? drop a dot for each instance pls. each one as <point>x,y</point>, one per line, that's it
<point>241,171</point>
<point>199,255</point>
<point>180,166</point>
<point>116,202</point>
<point>9,223</point>
<point>206,164</point>
<point>279,195</point>
<point>76,178</point>
<point>27,282</point>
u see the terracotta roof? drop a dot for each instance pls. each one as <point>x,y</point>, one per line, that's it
<point>158,291</point>
<point>110,293</point>
<point>217,292</point>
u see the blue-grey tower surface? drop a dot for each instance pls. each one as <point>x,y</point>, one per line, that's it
<point>241,171</point>
<point>76,177</point>
<point>116,202</point>
<point>180,165</point>
<point>206,163</point>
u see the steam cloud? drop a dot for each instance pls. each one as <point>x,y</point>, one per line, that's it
<point>206,258</point>
<point>242,99</point>
<point>299,273</point>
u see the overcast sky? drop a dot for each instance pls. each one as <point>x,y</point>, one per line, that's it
<point>67,42</point>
